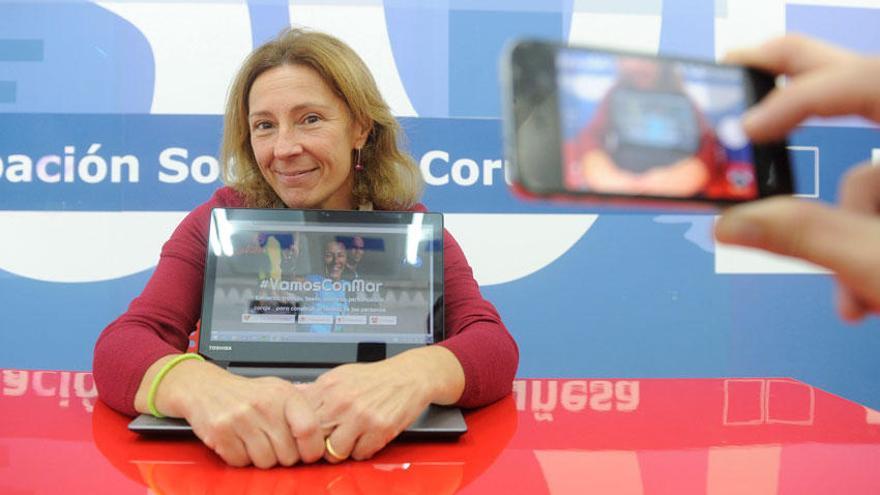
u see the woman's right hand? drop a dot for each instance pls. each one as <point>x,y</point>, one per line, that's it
<point>260,421</point>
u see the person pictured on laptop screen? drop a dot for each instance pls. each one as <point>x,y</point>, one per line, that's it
<point>275,255</point>
<point>330,300</point>
<point>355,254</point>
<point>335,260</point>
<point>305,127</point>
<point>290,255</point>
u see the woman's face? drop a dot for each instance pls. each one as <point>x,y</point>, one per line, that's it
<point>334,260</point>
<point>639,73</point>
<point>303,135</point>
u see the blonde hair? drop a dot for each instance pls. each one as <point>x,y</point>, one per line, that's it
<point>390,178</point>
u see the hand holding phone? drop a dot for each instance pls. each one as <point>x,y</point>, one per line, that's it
<point>595,125</point>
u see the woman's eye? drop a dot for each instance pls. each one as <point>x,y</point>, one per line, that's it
<point>311,119</point>
<point>261,125</point>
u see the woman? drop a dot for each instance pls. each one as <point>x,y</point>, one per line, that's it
<point>330,301</point>
<point>305,127</point>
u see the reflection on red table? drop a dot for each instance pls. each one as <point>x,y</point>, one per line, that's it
<point>683,436</point>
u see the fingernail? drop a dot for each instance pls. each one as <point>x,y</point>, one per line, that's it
<point>850,307</point>
<point>737,229</point>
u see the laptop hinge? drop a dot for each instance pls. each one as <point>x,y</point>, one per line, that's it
<point>369,352</point>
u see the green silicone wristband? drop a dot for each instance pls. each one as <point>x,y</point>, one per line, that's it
<point>151,396</point>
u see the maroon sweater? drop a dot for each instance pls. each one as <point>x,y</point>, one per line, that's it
<point>160,320</point>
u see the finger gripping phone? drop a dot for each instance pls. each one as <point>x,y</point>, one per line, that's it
<point>595,125</point>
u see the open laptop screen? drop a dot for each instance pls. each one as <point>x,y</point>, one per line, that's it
<point>307,286</point>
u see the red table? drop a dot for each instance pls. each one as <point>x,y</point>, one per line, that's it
<point>565,436</point>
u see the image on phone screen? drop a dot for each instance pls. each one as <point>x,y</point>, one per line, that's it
<point>643,126</point>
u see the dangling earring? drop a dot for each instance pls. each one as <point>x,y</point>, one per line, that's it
<point>357,164</point>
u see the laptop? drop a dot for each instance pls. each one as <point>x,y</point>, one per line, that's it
<point>295,293</point>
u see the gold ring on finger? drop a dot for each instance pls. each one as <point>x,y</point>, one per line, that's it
<point>330,450</point>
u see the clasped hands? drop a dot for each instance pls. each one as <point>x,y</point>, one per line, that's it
<point>352,411</point>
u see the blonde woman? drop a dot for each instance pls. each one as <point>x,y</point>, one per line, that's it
<point>305,127</point>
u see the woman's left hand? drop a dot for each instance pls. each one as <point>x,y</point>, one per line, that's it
<point>366,405</point>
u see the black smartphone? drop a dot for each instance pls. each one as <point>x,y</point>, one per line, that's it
<point>592,125</point>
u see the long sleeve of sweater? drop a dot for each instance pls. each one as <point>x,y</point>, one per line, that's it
<point>475,333</point>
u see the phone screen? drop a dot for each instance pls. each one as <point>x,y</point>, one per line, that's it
<point>642,126</point>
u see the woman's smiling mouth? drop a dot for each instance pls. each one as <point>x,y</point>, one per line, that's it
<point>294,177</point>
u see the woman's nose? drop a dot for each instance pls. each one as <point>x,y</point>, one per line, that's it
<point>288,143</point>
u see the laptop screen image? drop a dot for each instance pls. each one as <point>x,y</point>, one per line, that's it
<point>312,287</point>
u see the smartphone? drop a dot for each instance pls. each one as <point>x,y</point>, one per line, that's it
<point>596,125</point>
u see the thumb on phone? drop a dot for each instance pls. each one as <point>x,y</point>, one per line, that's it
<point>845,242</point>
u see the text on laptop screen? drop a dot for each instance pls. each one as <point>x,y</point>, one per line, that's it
<point>314,282</point>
